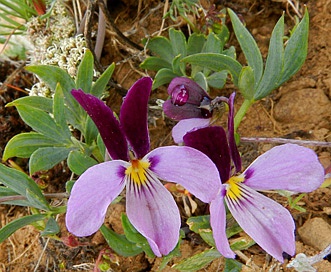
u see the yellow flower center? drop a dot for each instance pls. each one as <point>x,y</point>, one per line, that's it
<point>234,192</point>
<point>137,171</point>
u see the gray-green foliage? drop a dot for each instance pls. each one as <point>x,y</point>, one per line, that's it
<point>171,55</point>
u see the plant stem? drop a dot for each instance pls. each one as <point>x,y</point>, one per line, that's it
<point>241,113</point>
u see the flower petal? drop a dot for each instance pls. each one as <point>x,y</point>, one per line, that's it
<point>106,123</point>
<point>91,195</point>
<point>185,111</point>
<point>186,97</point>
<point>188,167</point>
<point>195,92</point>
<point>184,126</point>
<point>153,212</point>
<point>212,141</point>
<point>268,223</point>
<point>287,167</point>
<point>235,156</point>
<point>133,116</point>
<point>218,224</point>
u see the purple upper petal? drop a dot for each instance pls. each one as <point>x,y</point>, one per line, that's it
<point>212,141</point>
<point>187,125</point>
<point>188,167</point>
<point>106,123</point>
<point>286,167</point>
<point>91,195</point>
<point>218,224</point>
<point>153,212</point>
<point>133,116</point>
<point>268,223</point>
<point>235,156</point>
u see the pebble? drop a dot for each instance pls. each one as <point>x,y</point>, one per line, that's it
<point>316,233</point>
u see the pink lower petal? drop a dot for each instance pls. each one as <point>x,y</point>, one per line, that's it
<point>268,223</point>
<point>153,212</point>
<point>91,195</point>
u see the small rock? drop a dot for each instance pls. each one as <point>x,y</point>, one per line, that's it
<point>316,232</point>
<point>302,106</point>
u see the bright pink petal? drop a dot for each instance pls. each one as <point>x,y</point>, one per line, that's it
<point>187,125</point>
<point>268,223</point>
<point>287,167</point>
<point>218,224</point>
<point>153,212</point>
<point>91,195</point>
<point>106,123</point>
<point>133,116</point>
<point>188,167</point>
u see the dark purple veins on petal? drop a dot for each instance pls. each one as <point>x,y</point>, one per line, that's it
<point>107,124</point>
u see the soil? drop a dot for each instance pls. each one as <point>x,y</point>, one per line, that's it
<point>299,109</point>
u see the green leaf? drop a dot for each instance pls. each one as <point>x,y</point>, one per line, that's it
<point>201,80</point>
<point>119,243</point>
<point>212,45</point>
<point>246,82</point>
<point>42,122</point>
<point>274,63</point>
<point>155,64</point>
<point>242,243</point>
<point>201,226</point>
<point>20,183</point>
<point>36,201</point>
<point>135,237</point>
<point>79,162</point>
<point>24,144</point>
<point>13,226</point>
<point>296,49</point>
<point>51,227</point>
<point>52,75</point>
<point>248,46</point>
<point>162,77</point>
<point>100,85</point>
<point>59,113</point>
<point>195,43</point>
<point>177,66</point>
<point>217,79</point>
<point>232,265</point>
<point>46,157</point>
<point>85,72</point>
<point>198,261</point>
<point>216,62</point>
<point>90,131</point>
<point>161,46</point>
<point>38,102</point>
<point>178,42</point>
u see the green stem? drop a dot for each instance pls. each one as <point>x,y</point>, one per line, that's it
<point>241,113</point>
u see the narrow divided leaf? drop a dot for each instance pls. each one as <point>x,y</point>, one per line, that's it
<point>85,72</point>
<point>46,157</point>
<point>79,162</point>
<point>100,85</point>
<point>119,243</point>
<point>248,46</point>
<point>13,226</point>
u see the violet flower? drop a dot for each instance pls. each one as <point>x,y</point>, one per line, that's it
<point>190,105</point>
<point>150,206</point>
<point>286,167</point>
